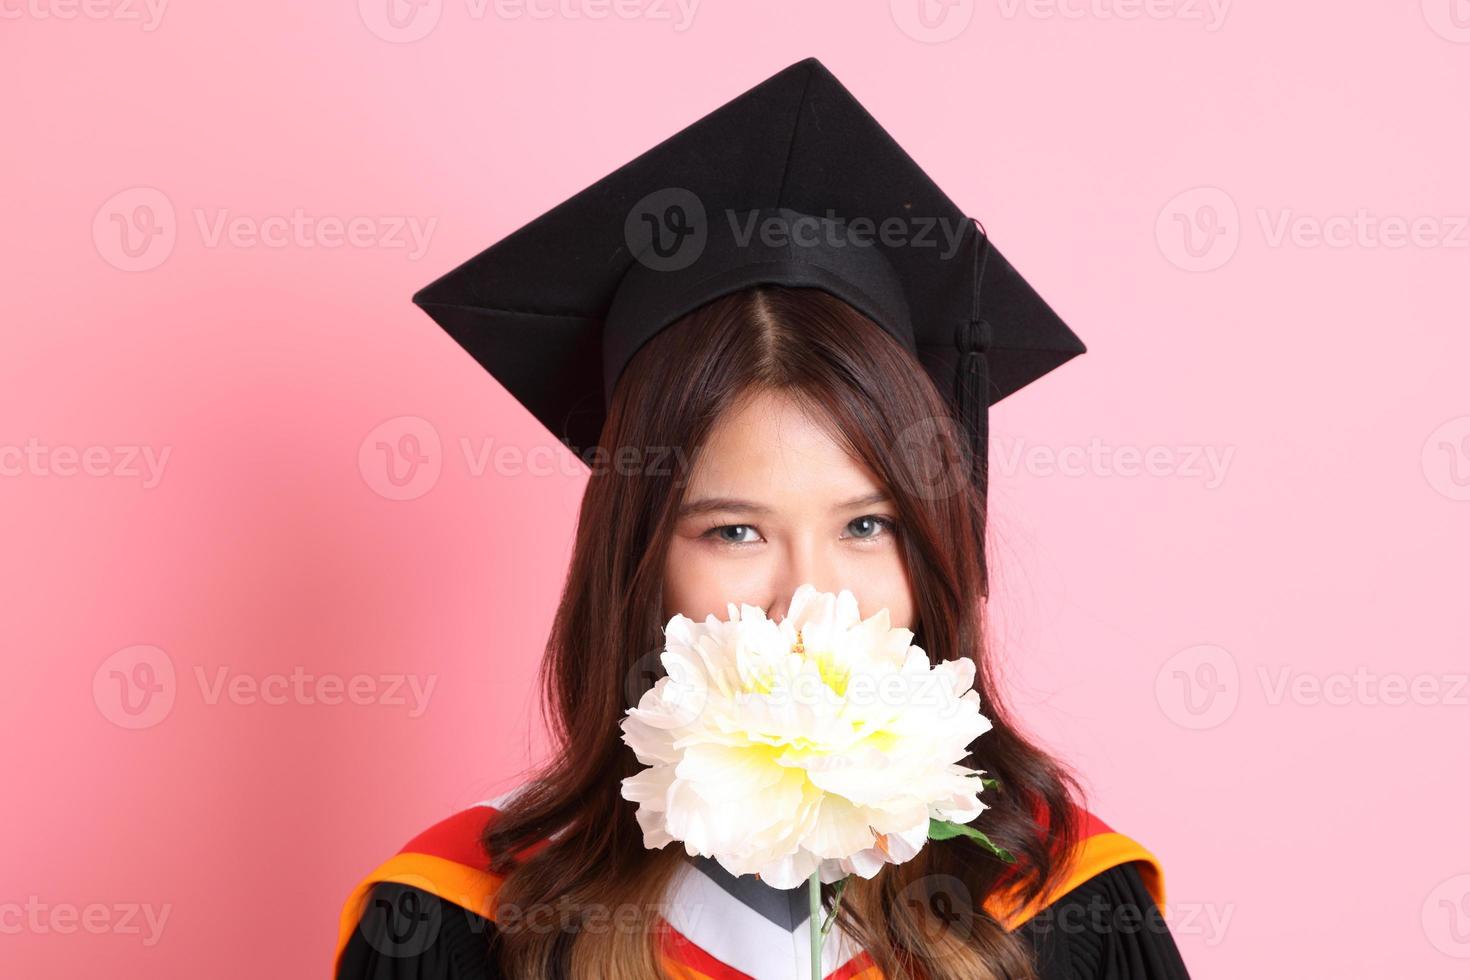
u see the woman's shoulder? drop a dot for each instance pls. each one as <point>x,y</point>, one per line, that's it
<point>1108,927</point>
<point>427,912</point>
<point>408,933</point>
<point>428,909</point>
<point>1100,848</point>
<point>1104,919</point>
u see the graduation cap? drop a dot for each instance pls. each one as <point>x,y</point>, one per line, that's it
<point>791,183</point>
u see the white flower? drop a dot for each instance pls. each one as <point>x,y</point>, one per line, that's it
<point>821,743</point>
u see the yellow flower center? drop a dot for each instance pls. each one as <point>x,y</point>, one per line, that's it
<point>833,674</point>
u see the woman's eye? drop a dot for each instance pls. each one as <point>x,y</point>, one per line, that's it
<point>863,528</point>
<point>871,526</point>
<point>723,533</point>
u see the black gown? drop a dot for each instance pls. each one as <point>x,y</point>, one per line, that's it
<point>1107,928</point>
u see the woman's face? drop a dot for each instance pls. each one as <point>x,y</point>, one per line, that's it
<point>773,503</point>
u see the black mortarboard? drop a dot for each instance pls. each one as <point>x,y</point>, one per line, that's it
<point>791,183</point>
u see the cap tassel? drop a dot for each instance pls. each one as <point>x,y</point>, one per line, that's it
<point>971,389</point>
<point>973,338</point>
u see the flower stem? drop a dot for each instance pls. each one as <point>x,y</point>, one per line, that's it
<point>814,913</point>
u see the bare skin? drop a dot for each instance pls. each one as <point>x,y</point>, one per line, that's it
<point>773,503</point>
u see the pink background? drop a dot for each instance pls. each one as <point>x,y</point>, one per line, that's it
<point>1137,163</point>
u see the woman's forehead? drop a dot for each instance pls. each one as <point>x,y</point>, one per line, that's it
<point>772,419</point>
<point>769,449</point>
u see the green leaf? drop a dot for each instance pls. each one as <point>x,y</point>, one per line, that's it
<point>985,781</point>
<point>836,900</point>
<point>948,829</point>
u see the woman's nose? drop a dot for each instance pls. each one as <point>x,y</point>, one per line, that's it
<point>804,564</point>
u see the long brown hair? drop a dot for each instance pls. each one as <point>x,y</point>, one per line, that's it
<point>923,918</point>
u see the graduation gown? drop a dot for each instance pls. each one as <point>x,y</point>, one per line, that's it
<point>416,917</point>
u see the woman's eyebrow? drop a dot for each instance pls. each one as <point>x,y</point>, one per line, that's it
<point>708,505</point>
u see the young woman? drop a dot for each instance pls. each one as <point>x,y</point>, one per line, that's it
<point>770,418</point>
